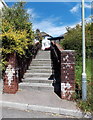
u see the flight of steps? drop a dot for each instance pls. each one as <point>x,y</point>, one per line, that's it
<point>39,72</point>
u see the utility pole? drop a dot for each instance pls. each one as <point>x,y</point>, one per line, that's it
<point>84,81</point>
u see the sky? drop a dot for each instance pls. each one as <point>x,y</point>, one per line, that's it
<point>54,17</point>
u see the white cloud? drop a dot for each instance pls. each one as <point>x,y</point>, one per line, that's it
<point>88,20</point>
<point>75,8</point>
<point>54,30</point>
<point>32,13</point>
<point>87,5</point>
<point>48,25</point>
<point>50,28</point>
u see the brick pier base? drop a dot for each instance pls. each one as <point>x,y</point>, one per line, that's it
<point>67,74</point>
<point>10,85</point>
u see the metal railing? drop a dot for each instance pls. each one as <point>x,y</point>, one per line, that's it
<point>56,68</point>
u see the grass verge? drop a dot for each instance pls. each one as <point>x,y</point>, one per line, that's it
<point>85,105</point>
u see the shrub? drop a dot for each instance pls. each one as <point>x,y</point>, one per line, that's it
<point>17,34</point>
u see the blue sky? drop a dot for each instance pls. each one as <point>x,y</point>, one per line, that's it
<point>54,17</point>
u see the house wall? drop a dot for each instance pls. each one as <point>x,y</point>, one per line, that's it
<point>2,4</point>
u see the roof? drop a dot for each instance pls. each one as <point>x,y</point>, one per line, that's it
<point>45,34</point>
<point>56,38</point>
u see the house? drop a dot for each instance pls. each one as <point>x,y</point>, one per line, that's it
<point>2,4</point>
<point>45,35</point>
<point>45,41</point>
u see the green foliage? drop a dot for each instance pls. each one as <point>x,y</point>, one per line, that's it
<point>17,34</point>
<point>87,105</point>
<point>16,16</point>
<point>73,40</point>
<point>78,73</point>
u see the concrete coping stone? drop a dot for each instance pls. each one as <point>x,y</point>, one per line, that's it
<point>67,50</point>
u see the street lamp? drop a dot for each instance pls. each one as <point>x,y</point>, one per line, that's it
<point>84,81</point>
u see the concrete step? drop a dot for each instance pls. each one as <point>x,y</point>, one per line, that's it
<point>36,74</point>
<point>36,86</point>
<point>40,71</point>
<point>41,51</point>
<point>37,80</point>
<point>40,64</point>
<point>44,52</point>
<point>44,55</point>
<point>46,60</point>
<point>42,60</point>
<point>39,67</point>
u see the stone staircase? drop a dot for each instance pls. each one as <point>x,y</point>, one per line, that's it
<point>37,93</point>
<point>39,72</point>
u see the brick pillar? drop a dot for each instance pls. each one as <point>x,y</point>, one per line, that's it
<point>67,74</point>
<point>11,76</point>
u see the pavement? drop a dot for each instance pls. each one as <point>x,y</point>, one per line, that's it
<point>39,101</point>
<point>29,99</point>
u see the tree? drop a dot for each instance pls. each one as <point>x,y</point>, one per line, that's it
<point>73,40</point>
<point>17,16</point>
<point>17,34</point>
